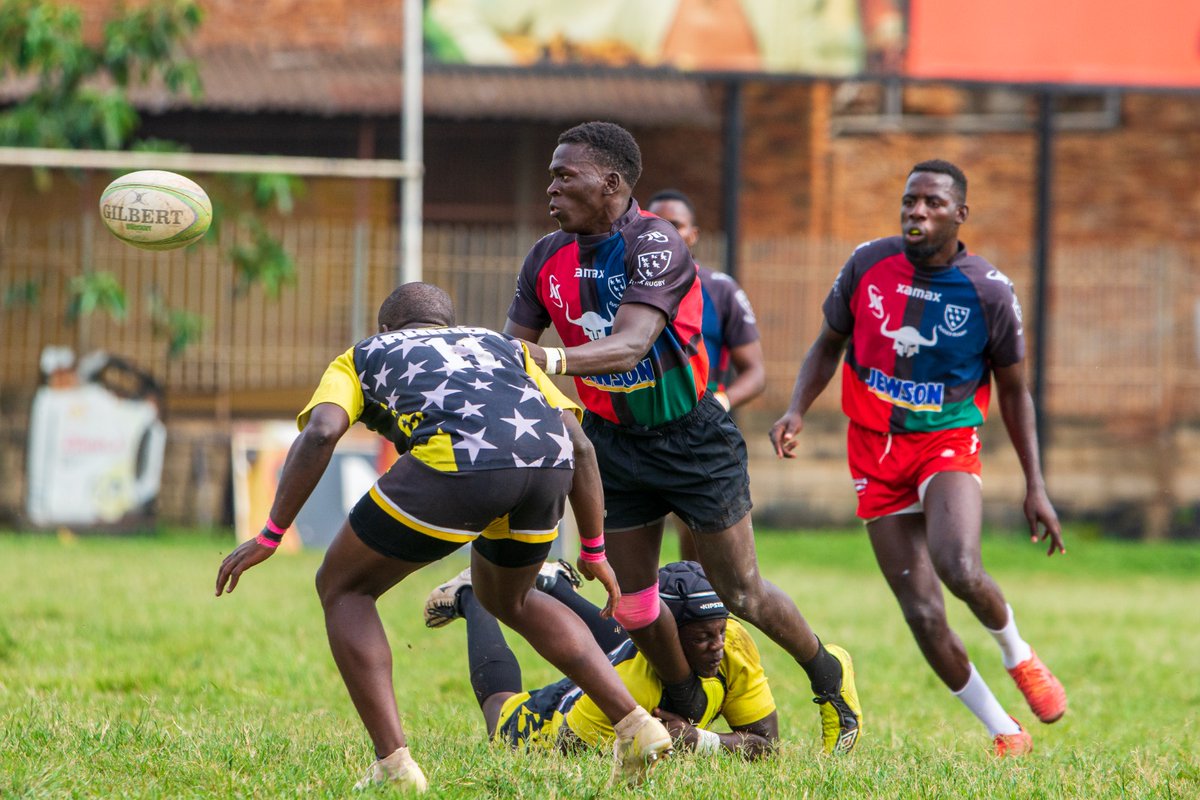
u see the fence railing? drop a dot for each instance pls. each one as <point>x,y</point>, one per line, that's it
<point>1122,336</point>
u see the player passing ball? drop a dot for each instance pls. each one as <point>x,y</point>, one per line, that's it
<point>491,450</point>
<point>924,326</point>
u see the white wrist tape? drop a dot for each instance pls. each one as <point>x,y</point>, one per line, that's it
<point>552,360</point>
<point>707,741</point>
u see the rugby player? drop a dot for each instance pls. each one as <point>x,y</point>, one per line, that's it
<point>924,325</point>
<point>491,450</point>
<point>562,715</point>
<point>737,372</point>
<point>620,288</point>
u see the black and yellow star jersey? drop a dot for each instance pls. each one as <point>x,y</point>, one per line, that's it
<point>458,399</point>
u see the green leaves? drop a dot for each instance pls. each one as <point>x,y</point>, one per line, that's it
<point>263,261</point>
<point>67,107</point>
<point>78,98</point>
<point>96,291</point>
<point>181,328</point>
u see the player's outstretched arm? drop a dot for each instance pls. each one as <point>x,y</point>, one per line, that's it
<point>1016,409</point>
<point>820,363</point>
<point>587,504</point>
<point>634,330</point>
<point>305,464</point>
<point>751,741</point>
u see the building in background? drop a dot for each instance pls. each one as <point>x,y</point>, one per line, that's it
<point>813,172</point>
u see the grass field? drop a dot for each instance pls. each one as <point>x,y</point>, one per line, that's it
<point>121,675</point>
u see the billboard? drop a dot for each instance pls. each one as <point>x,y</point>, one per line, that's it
<point>1155,43</point>
<point>1105,43</point>
<point>819,37</point>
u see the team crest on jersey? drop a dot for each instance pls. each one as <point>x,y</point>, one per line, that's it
<point>651,265</point>
<point>954,319</point>
<point>616,285</point>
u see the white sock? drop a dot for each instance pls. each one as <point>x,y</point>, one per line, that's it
<point>1013,649</point>
<point>983,704</point>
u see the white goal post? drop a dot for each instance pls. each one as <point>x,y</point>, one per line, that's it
<point>388,169</point>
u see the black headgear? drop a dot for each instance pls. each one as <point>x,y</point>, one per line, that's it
<point>687,592</point>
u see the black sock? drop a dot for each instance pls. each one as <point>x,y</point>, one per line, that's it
<point>493,666</point>
<point>824,672</point>
<point>607,633</point>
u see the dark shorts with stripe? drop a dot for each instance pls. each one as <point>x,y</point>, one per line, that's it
<point>532,718</point>
<point>694,466</point>
<point>417,513</point>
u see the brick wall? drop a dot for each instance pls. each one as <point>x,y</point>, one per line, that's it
<point>286,24</point>
<point>1133,184</point>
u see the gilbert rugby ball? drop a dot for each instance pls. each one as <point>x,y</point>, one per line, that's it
<point>155,210</point>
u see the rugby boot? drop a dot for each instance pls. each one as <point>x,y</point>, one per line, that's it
<point>441,607</point>
<point>398,770</point>
<point>641,741</point>
<point>1013,744</point>
<point>841,714</point>
<point>1045,695</point>
<point>552,572</point>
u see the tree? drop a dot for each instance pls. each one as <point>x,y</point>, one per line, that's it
<point>79,99</point>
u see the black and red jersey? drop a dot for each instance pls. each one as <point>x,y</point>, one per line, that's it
<point>577,283</point>
<point>923,342</point>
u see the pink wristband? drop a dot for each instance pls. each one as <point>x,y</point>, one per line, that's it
<point>265,542</point>
<point>591,550</point>
<point>273,528</point>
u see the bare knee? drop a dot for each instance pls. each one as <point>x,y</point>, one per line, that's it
<point>925,619</point>
<point>964,577</point>
<point>324,585</point>
<point>745,599</point>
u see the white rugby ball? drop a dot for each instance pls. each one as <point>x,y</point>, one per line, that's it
<point>156,210</point>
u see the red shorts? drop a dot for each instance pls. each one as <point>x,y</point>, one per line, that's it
<point>890,471</point>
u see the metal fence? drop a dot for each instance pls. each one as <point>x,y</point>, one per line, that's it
<point>1122,335</point>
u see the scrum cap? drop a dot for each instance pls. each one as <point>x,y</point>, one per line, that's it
<point>691,598</point>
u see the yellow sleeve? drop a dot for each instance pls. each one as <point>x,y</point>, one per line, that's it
<point>749,696</point>
<point>587,721</point>
<point>340,386</point>
<point>552,393</point>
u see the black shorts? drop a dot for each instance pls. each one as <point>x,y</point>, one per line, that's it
<point>694,466</point>
<point>417,513</point>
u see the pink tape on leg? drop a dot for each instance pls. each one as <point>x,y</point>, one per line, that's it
<point>637,609</point>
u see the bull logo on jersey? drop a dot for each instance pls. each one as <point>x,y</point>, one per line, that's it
<point>907,341</point>
<point>651,265</point>
<point>875,301</point>
<point>953,321</point>
<point>594,325</point>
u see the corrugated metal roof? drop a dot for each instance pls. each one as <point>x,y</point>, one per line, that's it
<point>369,82</point>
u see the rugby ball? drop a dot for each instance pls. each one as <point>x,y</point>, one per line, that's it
<point>155,210</point>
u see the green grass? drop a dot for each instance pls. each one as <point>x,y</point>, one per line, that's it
<point>121,675</point>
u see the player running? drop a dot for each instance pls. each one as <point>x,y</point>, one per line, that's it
<point>620,288</point>
<point>924,325</point>
<point>562,715</point>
